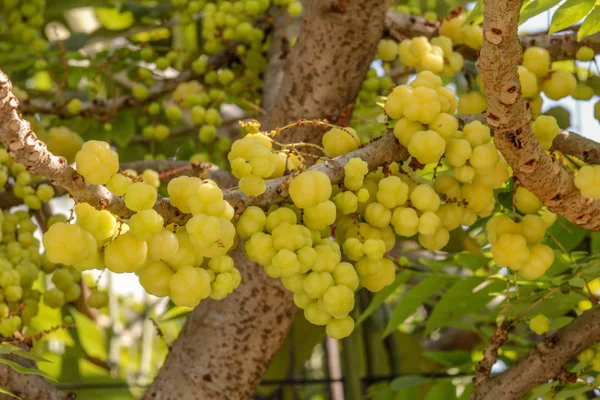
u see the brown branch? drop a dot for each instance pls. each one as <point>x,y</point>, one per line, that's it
<point>171,169</point>
<point>381,151</point>
<point>508,115</point>
<point>567,142</point>
<point>24,147</point>
<point>545,362</point>
<point>561,46</point>
<point>575,145</point>
<point>490,355</point>
<point>103,108</point>
<point>510,118</point>
<point>28,387</point>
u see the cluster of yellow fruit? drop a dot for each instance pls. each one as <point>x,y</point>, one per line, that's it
<point>20,262</point>
<point>24,185</point>
<point>253,160</point>
<point>306,257</point>
<point>476,168</point>
<point>460,33</point>
<point>435,55</point>
<point>187,263</point>
<point>591,356</point>
<point>427,127</point>
<point>587,181</point>
<point>517,245</point>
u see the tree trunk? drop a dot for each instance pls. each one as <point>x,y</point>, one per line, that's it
<point>225,346</point>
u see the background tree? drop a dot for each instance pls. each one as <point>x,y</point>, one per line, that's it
<point>396,173</point>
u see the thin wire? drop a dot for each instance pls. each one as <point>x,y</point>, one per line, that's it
<point>266,382</point>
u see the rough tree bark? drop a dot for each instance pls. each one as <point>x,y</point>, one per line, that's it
<point>509,116</point>
<point>225,346</point>
<point>327,65</point>
<point>545,362</point>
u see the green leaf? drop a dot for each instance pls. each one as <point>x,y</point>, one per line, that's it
<point>569,13</point>
<point>7,348</point>
<point>123,128</point>
<point>594,82</point>
<point>595,242</point>
<point>568,234</point>
<point>175,312</point>
<point>591,24</point>
<point>577,282</point>
<point>449,358</point>
<point>453,301</point>
<point>559,322</point>
<point>8,393</point>
<point>535,8</point>
<point>443,390</point>
<point>24,370</point>
<point>471,261</point>
<point>408,381</point>
<point>381,296</point>
<point>476,15</point>
<point>411,300</point>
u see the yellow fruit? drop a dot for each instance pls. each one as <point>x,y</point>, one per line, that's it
<point>189,285</point>
<point>97,162</point>
<point>340,328</point>
<point>510,250</point>
<point>387,50</point>
<point>529,83</point>
<point>561,84</point>
<point>541,258</point>
<point>539,324</point>
<point>382,278</point>
<point>125,254</point>
<point>537,60</point>
<point>527,202</point>
<point>405,129</point>
<point>394,105</point>
<point>154,278</point>
<point>545,129</point>
<point>424,198</point>
<point>427,146</point>
<point>585,53</point>
<point>338,141</point>
<point>472,103</point>
<point>310,188</point>
<point>533,228</point>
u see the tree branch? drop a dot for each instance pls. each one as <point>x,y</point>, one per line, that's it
<point>510,118</point>
<point>545,362</point>
<point>28,387</point>
<point>102,108</point>
<point>24,147</point>
<point>561,47</point>
<point>225,346</point>
<point>566,142</point>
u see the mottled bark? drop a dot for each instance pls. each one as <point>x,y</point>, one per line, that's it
<point>327,65</point>
<point>226,346</point>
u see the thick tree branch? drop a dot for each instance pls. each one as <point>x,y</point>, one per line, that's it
<point>24,147</point>
<point>567,142</point>
<point>28,387</point>
<point>324,73</point>
<point>545,362</point>
<point>225,346</point>
<point>561,46</point>
<point>510,118</point>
